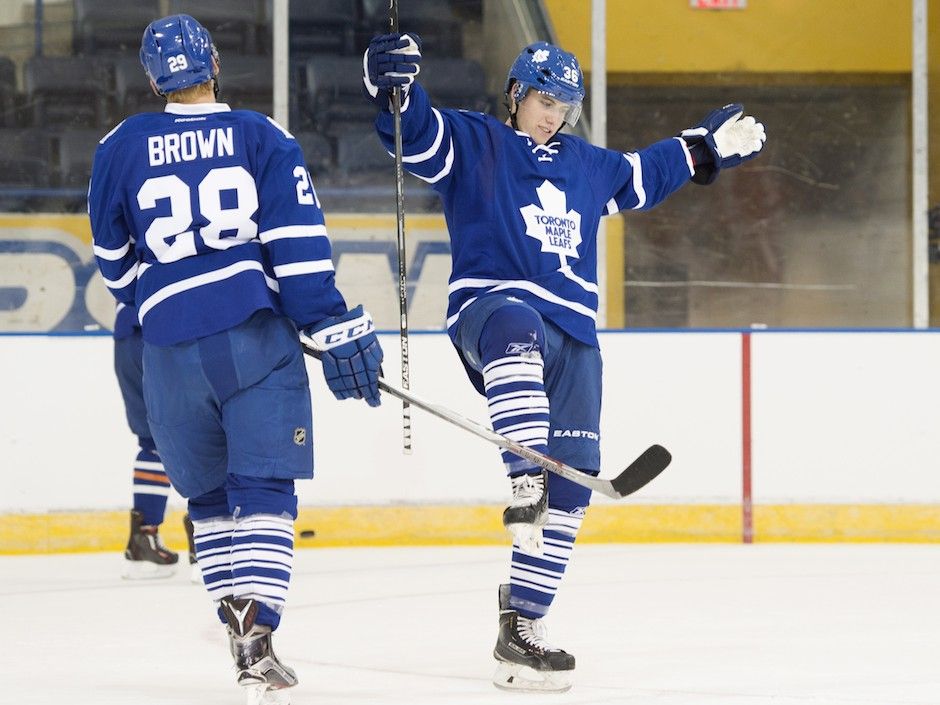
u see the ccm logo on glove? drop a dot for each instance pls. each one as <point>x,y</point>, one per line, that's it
<point>343,332</point>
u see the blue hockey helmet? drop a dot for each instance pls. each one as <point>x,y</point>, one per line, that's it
<point>177,53</point>
<point>550,70</point>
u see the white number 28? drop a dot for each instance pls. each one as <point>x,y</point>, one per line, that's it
<point>236,222</point>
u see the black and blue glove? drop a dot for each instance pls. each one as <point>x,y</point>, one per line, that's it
<point>351,355</point>
<point>390,61</point>
<point>723,139</point>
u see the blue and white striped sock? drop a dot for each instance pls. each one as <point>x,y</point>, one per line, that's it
<point>213,541</point>
<point>534,580</point>
<point>151,487</point>
<point>518,406</point>
<point>263,558</point>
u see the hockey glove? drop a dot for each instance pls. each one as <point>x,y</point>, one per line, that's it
<point>391,60</point>
<point>723,139</point>
<point>351,355</point>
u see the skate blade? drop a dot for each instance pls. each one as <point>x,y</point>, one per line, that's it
<point>145,570</point>
<point>514,676</point>
<point>528,538</point>
<point>261,694</point>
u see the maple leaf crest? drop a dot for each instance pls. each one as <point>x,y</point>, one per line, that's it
<point>539,56</point>
<point>556,227</point>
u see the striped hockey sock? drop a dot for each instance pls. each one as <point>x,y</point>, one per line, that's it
<point>518,407</point>
<point>151,487</point>
<point>262,558</point>
<point>534,580</point>
<point>213,541</point>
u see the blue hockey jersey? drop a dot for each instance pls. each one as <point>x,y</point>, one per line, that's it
<point>202,215</point>
<point>125,322</point>
<point>523,217</point>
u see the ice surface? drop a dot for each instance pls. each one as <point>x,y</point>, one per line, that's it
<point>658,624</point>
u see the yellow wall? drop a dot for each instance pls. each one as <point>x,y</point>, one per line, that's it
<point>768,36</point>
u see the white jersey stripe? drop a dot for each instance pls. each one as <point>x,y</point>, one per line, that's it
<point>193,282</point>
<point>638,189</point>
<point>297,268</point>
<point>291,231</point>
<point>111,255</point>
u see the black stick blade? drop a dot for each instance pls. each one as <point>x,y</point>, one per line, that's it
<point>642,471</point>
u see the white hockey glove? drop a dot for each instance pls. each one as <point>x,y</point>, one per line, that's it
<point>350,353</point>
<point>390,60</point>
<point>723,139</point>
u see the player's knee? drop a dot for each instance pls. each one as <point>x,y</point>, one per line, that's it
<point>256,495</point>
<point>567,496</point>
<point>514,329</point>
<point>209,505</point>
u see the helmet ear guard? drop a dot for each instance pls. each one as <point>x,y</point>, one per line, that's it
<point>177,52</point>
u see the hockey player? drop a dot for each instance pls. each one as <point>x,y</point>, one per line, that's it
<point>206,219</point>
<point>145,555</point>
<point>523,202</point>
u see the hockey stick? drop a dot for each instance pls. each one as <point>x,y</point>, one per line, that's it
<point>400,234</point>
<point>635,476</point>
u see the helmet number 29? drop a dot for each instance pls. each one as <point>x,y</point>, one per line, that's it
<point>177,63</point>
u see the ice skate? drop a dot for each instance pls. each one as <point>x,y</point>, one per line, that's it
<point>195,575</point>
<point>260,672</point>
<point>525,660</point>
<point>145,556</point>
<point>527,514</point>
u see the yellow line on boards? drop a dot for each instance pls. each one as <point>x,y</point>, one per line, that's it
<point>71,532</point>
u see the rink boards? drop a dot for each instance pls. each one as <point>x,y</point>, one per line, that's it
<point>836,441</point>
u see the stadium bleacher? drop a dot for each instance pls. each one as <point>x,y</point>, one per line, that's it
<point>68,100</point>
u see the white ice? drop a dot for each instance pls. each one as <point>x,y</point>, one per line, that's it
<point>649,624</point>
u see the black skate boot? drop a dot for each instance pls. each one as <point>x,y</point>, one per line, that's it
<point>525,660</point>
<point>195,575</point>
<point>145,555</point>
<point>263,676</point>
<point>527,514</point>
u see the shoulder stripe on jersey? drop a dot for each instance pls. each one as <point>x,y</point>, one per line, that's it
<point>292,270</point>
<point>435,146</point>
<point>502,285</point>
<point>292,231</point>
<point>638,189</point>
<point>200,280</point>
<point>129,276</point>
<point>116,128</point>
<point>278,125</point>
<point>111,255</point>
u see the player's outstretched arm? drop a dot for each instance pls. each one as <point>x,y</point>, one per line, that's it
<point>724,138</point>
<point>390,61</point>
<point>350,353</point>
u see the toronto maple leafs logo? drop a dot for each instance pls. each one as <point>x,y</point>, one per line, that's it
<point>539,56</point>
<point>558,229</point>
